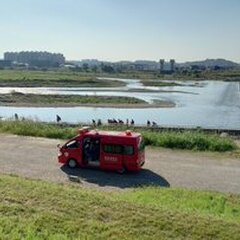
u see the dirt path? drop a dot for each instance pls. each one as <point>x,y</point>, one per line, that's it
<point>37,158</point>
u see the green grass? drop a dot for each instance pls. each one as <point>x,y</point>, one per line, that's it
<point>69,78</point>
<point>58,78</point>
<point>188,201</point>
<point>232,75</point>
<point>40,210</point>
<point>43,75</point>
<point>18,99</point>
<point>190,140</point>
<point>159,83</point>
<point>37,129</point>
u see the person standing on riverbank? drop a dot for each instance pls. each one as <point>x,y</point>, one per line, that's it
<point>58,119</point>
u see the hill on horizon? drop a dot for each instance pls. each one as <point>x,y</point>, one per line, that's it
<point>211,63</point>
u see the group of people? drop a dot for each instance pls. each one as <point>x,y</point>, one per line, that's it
<point>132,122</point>
<point>16,117</point>
<point>120,122</point>
<point>98,122</point>
<point>153,124</point>
<point>113,121</point>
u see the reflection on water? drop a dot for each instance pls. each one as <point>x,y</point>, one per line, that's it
<point>206,104</point>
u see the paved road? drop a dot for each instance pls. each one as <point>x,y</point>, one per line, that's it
<point>36,158</point>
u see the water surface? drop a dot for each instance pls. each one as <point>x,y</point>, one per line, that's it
<point>213,104</point>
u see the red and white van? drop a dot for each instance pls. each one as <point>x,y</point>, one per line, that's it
<point>107,150</point>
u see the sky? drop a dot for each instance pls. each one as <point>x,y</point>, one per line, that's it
<point>114,30</point>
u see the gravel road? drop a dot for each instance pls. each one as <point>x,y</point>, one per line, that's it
<point>37,158</point>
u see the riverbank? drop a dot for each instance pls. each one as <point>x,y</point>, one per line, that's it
<point>197,141</point>
<point>172,83</point>
<point>18,99</point>
<point>185,75</point>
<point>85,82</point>
<point>68,78</point>
<point>160,83</point>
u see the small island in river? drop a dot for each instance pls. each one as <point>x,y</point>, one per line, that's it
<point>18,99</point>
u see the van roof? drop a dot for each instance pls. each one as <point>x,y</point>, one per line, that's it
<point>127,133</point>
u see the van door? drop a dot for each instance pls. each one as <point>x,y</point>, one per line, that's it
<point>91,152</point>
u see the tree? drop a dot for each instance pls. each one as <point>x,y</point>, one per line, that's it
<point>85,67</point>
<point>107,68</point>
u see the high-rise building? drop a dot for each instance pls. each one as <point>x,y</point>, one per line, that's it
<point>167,67</point>
<point>42,59</point>
<point>172,65</point>
<point>162,61</point>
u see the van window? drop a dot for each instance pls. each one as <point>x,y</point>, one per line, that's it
<point>128,150</point>
<point>141,145</point>
<point>118,149</point>
<point>115,149</point>
<point>73,144</point>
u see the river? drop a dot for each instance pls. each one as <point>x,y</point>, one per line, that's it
<point>206,104</point>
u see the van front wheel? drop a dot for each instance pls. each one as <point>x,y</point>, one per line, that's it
<point>72,163</point>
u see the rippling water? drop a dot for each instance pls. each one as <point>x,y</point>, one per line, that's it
<point>214,104</point>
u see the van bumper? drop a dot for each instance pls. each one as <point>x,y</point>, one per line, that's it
<point>61,159</point>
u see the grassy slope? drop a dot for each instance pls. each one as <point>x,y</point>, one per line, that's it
<point>39,210</point>
<point>175,140</point>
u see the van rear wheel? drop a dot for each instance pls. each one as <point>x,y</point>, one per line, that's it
<point>72,163</point>
<point>122,170</point>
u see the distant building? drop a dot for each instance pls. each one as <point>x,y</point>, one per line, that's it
<point>5,63</point>
<point>38,59</point>
<point>161,65</point>
<point>172,65</point>
<point>167,67</point>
